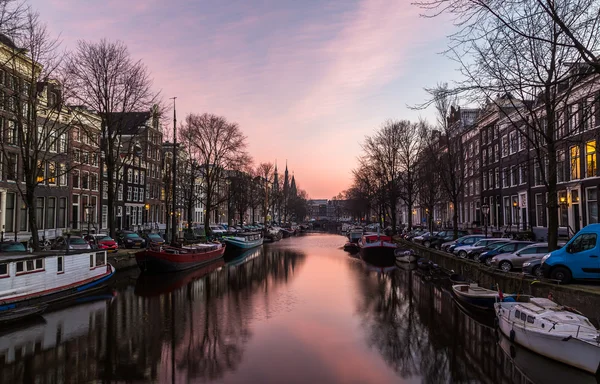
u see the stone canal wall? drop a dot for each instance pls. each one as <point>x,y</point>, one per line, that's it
<point>585,298</point>
<point>123,259</point>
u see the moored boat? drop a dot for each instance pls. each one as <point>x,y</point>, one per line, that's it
<point>551,330</point>
<point>405,255</point>
<point>475,296</point>
<point>377,249</point>
<point>244,240</point>
<point>355,234</point>
<point>171,259</point>
<point>43,277</point>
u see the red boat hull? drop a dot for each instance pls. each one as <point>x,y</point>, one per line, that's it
<point>160,261</point>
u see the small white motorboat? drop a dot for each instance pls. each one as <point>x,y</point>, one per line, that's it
<point>405,255</point>
<point>551,330</point>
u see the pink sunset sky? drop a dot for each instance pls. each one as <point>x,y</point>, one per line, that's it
<point>306,80</point>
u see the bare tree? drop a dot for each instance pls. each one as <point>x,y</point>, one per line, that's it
<point>428,185</point>
<point>218,146</point>
<point>392,154</point>
<point>577,20</point>
<point>449,163</point>
<point>107,80</point>
<point>34,145</point>
<point>264,174</point>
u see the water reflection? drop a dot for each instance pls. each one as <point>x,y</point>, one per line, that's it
<point>421,331</point>
<point>339,319</point>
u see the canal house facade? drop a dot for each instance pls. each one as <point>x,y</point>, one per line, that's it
<point>511,180</point>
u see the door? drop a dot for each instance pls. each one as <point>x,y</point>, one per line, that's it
<point>576,217</point>
<point>75,217</point>
<point>582,256</point>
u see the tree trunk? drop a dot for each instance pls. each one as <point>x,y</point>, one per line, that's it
<point>552,179</point>
<point>455,218</point>
<point>31,204</point>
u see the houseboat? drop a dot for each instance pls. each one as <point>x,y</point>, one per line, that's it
<point>29,279</point>
<point>377,249</point>
<point>243,240</point>
<point>171,259</point>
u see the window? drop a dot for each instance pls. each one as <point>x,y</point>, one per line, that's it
<point>119,192</point>
<point>85,181</point>
<point>530,319</point>
<point>104,216</point>
<point>32,265</point>
<point>51,212</point>
<point>105,190</point>
<point>496,153</point>
<point>504,146</point>
<point>133,215</point>
<point>9,224</point>
<point>514,176</point>
<point>497,178</point>
<point>129,176</point>
<point>505,177</point>
<point>485,181</point>
<point>62,213</point>
<point>141,194</point>
<point>3,269</point>
<point>129,189</point>
<point>93,181</point>
<point>522,140</point>
<point>592,204</point>
<point>135,193</point>
<point>52,173</point>
<point>561,163</point>
<point>100,258</point>
<point>575,166</point>
<point>522,174</point>
<point>62,143</point>
<point>12,162</point>
<point>142,177</point>
<point>76,135</point>
<point>514,142</point>
<point>41,171</point>
<point>60,267</point>
<point>136,177</point>
<point>563,210</point>
<point>140,211</point>
<point>120,211</point>
<point>539,210</point>
<point>517,314</point>
<point>62,178</point>
<point>590,158</point>
<point>75,177</point>
<point>583,242</point>
<point>39,212</point>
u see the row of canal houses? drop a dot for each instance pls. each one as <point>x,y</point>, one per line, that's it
<point>502,168</point>
<point>72,191</point>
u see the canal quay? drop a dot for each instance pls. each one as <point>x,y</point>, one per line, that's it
<point>300,310</point>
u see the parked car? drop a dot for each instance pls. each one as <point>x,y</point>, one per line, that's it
<point>515,260</point>
<point>512,246</point>
<point>578,259</point>
<point>75,243</point>
<point>462,241</point>
<point>425,237</point>
<point>153,239</point>
<point>12,246</point>
<point>130,239</point>
<point>444,237</point>
<point>414,233</point>
<point>532,267</point>
<point>476,251</point>
<point>217,230</point>
<point>103,242</point>
<point>463,250</point>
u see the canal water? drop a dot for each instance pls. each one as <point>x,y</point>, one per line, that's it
<point>297,311</point>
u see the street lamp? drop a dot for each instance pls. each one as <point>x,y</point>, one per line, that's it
<point>486,210</point>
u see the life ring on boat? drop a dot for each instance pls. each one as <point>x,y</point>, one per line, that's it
<point>512,336</point>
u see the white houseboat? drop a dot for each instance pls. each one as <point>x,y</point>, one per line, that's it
<point>44,277</point>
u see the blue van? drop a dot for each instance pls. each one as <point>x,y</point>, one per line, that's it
<point>578,259</point>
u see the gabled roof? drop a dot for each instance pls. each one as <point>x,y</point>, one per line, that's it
<point>130,123</point>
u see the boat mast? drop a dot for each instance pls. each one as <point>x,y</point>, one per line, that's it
<point>174,176</point>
